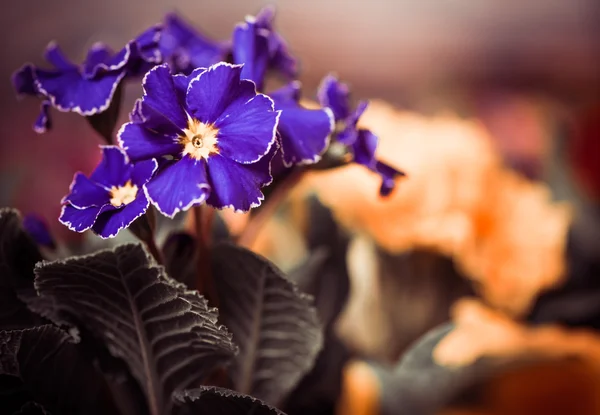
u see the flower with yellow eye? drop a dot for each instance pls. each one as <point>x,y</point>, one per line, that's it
<point>212,133</point>
<point>111,198</point>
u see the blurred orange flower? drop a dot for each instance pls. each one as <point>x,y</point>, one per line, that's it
<point>481,331</point>
<point>458,199</point>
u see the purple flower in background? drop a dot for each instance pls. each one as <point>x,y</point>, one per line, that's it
<point>303,133</point>
<point>86,89</point>
<point>361,142</point>
<point>112,198</point>
<point>185,49</point>
<point>214,132</point>
<point>259,47</point>
<point>280,57</point>
<point>37,228</point>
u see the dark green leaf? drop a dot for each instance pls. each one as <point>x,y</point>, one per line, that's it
<point>18,256</point>
<point>324,275</point>
<point>164,332</point>
<point>53,371</point>
<point>219,401</point>
<point>275,326</point>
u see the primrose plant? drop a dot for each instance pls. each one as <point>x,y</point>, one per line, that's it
<point>142,328</point>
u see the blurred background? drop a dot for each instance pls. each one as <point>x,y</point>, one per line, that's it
<point>517,81</point>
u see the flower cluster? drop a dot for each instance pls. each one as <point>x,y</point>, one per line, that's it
<point>89,88</point>
<point>206,129</point>
<point>361,141</point>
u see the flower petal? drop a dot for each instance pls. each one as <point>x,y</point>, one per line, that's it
<point>185,48</point>
<point>161,97</point>
<point>247,132</point>
<point>364,148</point>
<point>388,177</point>
<point>99,54</point>
<point>304,134</point>
<point>182,82</point>
<point>109,223</point>
<point>141,144</point>
<point>69,91</point>
<point>37,228</point>
<point>178,186</point>
<point>335,95</point>
<point>114,168</point>
<point>84,193</point>
<point>251,48</point>
<point>43,122</point>
<point>24,82</point>
<point>80,220</point>
<point>143,171</point>
<point>213,90</point>
<point>287,95</point>
<point>56,57</point>
<point>147,44</point>
<point>281,59</point>
<point>237,185</point>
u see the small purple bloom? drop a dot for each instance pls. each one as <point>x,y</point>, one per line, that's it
<point>335,95</point>
<point>215,133</point>
<point>303,133</point>
<point>37,228</point>
<point>86,89</point>
<point>185,49</point>
<point>111,198</point>
<point>361,142</point>
<point>259,47</point>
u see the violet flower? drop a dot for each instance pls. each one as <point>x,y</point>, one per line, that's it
<point>303,133</point>
<point>361,142</point>
<point>112,198</point>
<point>259,47</point>
<point>86,89</point>
<point>214,133</point>
<point>37,228</point>
<point>185,49</point>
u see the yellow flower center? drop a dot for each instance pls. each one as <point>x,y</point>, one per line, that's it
<point>123,195</point>
<point>200,140</point>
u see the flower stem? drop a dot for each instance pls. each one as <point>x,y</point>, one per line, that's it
<point>203,218</point>
<point>154,251</point>
<point>268,209</point>
<point>143,228</point>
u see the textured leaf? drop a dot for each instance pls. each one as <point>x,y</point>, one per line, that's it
<point>419,386</point>
<point>53,371</point>
<point>18,255</point>
<point>324,275</point>
<point>275,325</point>
<point>165,333</point>
<point>219,401</point>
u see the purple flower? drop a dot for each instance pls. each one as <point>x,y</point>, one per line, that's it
<point>361,142</point>
<point>259,47</point>
<point>112,198</point>
<point>214,132</point>
<point>37,228</point>
<point>303,133</point>
<point>86,89</point>
<point>185,49</point>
